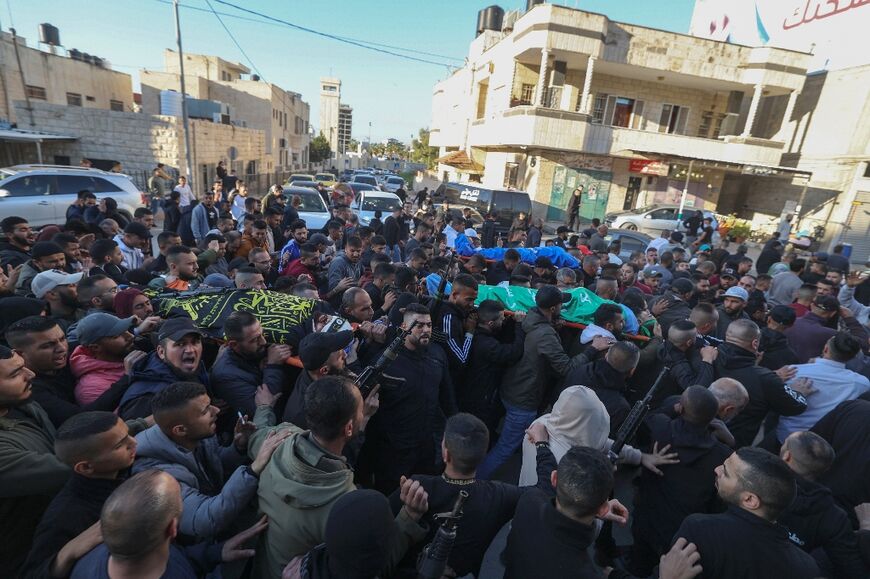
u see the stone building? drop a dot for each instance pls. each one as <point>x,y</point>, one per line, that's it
<point>562,97</point>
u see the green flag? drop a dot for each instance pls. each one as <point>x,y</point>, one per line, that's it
<point>580,309</point>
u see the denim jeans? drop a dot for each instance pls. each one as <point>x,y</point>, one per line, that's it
<point>516,421</point>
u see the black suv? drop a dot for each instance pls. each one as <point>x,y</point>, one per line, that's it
<point>504,205</point>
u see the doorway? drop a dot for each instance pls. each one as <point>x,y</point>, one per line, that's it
<point>631,193</point>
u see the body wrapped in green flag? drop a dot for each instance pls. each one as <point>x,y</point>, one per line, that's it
<point>580,309</point>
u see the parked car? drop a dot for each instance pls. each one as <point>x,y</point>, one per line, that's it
<point>504,205</point>
<point>357,187</point>
<point>629,241</point>
<point>42,193</point>
<point>393,183</point>
<point>476,217</point>
<point>327,179</point>
<point>312,209</point>
<point>299,177</point>
<point>367,202</point>
<point>652,219</point>
<point>367,179</point>
<point>345,176</point>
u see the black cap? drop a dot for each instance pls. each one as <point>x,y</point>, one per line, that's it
<point>44,249</point>
<point>728,272</point>
<point>784,315</point>
<point>549,296</point>
<point>315,349</point>
<point>677,236</point>
<point>562,229</point>
<point>319,238</point>
<point>827,303</point>
<point>176,328</point>
<point>138,229</point>
<point>682,285</point>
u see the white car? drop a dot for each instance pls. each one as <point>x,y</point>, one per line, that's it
<point>652,219</point>
<point>367,202</point>
<point>42,193</point>
<point>367,179</point>
<point>393,183</point>
<point>312,210</point>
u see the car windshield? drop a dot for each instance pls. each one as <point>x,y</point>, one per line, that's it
<point>644,209</point>
<point>383,204</point>
<point>311,202</point>
<point>324,177</point>
<point>397,180</point>
<point>357,187</point>
<point>365,179</point>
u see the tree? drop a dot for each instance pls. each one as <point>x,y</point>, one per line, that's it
<point>421,152</point>
<point>352,145</point>
<point>318,150</point>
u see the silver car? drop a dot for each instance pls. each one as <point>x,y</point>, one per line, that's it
<point>393,184</point>
<point>42,193</point>
<point>312,210</point>
<point>367,202</point>
<point>652,219</point>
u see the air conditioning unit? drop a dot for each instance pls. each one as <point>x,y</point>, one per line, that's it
<point>221,118</point>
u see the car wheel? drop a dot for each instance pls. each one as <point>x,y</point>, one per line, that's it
<point>628,225</point>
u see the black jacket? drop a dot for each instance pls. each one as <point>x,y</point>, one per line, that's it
<point>486,366</point>
<point>294,411</point>
<point>172,219</point>
<point>609,386</point>
<point>739,545</point>
<point>497,273</point>
<point>725,321</point>
<point>12,255</point>
<point>777,352</point>
<point>688,487</point>
<point>815,521</point>
<point>545,544</point>
<point>448,332</point>
<point>75,508</point>
<point>767,393</point>
<point>847,429</point>
<point>767,258</point>
<point>150,376</point>
<point>392,230</point>
<point>686,369</point>
<point>55,393</point>
<point>235,380</point>
<point>678,310</point>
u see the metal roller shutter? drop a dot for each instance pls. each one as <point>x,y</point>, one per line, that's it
<point>858,232</point>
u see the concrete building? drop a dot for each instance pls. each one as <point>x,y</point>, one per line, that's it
<point>281,115</point>
<point>345,127</point>
<point>330,105</point>
<point>562,98</point>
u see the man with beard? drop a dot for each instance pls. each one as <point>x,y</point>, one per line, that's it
<point>19,239</point>
<point>99,448</point>
<point>72,250</point>
<point>745,541</point>
<point>104,356</point>
<point>291,251</point>
<point>43,345</point>
<point>59,290</point>
<point>322,354</point>
<point>183,270</point>
<point>47,255</point>
<point>246,362</point>
<point>774,343</point>
<point>178,357</point>
<point>308,263</point>
<point>26,438</point>
<point>217,484</point>
<point>405,435</point>
<point>733,303</point>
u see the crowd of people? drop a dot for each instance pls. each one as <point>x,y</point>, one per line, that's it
<point>134,444</point>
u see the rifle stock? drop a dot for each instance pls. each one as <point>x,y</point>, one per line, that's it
<point>435,555</point>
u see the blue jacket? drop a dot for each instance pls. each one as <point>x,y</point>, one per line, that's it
<point>199,222</point>
<point>184,562</point>
<point>215,486</point>
<point>235,380</point>
<point>150,376</point>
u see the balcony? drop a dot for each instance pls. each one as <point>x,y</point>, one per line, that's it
<point>543,128</point>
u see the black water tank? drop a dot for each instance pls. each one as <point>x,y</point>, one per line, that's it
<point>75,54</point>
<point>532,3</point>
<point>49,34</point>
<point>490,18</point>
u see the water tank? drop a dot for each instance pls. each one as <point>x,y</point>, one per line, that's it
<point>75,54</point>
<point>170,103</point>
<point>97,61</point>
<point>489,19</point>
<point>532,3</point>
<point>49,34</point>
<point>255,77</point>
<point>86,57</point>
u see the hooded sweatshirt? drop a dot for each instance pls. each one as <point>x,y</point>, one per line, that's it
<point>150,376</point>
<point>578,418</point>
<point>93,376</point>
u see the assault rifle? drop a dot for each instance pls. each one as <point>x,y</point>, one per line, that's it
<point>375,373</point>
<point>434,557</point>
<point>442,288</point>
<point>638,412</point>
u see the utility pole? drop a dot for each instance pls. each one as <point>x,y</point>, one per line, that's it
<point>184,118</point>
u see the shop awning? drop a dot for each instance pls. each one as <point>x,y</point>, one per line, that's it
<point>759,170</point>
<point>19,135</point>
<point>461,161</point>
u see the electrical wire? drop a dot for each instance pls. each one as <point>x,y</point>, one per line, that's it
<point>278,22</point>
<point>233,38</point>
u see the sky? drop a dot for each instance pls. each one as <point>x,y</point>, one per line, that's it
<point>393,94</point>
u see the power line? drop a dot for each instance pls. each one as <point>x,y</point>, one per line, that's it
<point>330,36</point>
<point>340,38</point>
<point>233,38</point>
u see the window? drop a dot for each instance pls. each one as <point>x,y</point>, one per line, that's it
<point>717,126</point>
<point>35,92</point>
<point>116,106</point>
<point>30,186</point>
<point>311,202</point>
<point>673,119</point>
<point>73,99</point>
<point>72,184</point>
<point>482,89</point>
<point>328,88</point>
<point>251,168</point>
<point>630,244</point>
<point>106,186</point>
<point>527,93</point>
<point>668,213</point>
<point>598,108</point>
<point>90,99</point>
<point>706,124</point>
<point>511,173</point>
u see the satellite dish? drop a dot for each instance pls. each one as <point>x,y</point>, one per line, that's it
<point>233,153</point>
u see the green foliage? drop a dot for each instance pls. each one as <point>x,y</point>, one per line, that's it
<point>421,152</point>
<point>318,150</point>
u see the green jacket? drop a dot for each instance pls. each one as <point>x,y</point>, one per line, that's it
<point>297,490</point>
